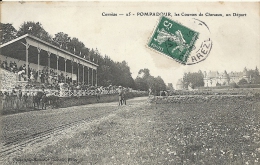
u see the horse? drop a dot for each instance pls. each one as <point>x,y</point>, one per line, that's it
<point>40,98</point>
<point>52,100</point>
<point>122,95</point>
<point>37,99</point>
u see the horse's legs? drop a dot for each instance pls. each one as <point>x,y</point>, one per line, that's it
<point>38,104</point>
<point>43,105</point>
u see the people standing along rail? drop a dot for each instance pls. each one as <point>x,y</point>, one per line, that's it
<point>4,99</point>
<point>19,103</point>
<point>124,96</point>
<point>31,96</point>
<point>98,92</point>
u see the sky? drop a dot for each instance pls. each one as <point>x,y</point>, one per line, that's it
<point>236,42</point>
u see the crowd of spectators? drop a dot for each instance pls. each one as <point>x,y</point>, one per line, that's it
<point>49,79</point>
<point>44,76</point>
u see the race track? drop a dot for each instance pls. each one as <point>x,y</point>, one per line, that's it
<point>218,131</point>
<point>19,129</point>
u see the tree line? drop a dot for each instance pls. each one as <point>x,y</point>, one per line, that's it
<point>145,80</point>
<point>109,71</point>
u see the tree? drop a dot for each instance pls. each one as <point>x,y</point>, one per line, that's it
<point>160,84</point>
<point>254,76</point>
<point>144,73</point>
<point>141,84</point>
<point>256,71</point>
<point>8,32</point>
<point>110,72</point>
<point>144,81</point>
<point>105,75</point>
<point>126,74</point>
<point>75,46</point>
<point>61,40</point>
<point>35,29</point>
<point>242,82</point>
<point>233,85</point>
<point>196,79</point>
<point>170,87</point>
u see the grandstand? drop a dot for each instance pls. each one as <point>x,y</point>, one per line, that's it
<point>28,59</point>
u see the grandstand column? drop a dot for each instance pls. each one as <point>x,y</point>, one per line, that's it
<point>88,75</point>
<point>92,78</point>
<point>57,67</point>
<point>26,57</point>
<point>96,77</point>
<point>71,70</point>
<point>65,69</point>
<point>78,75</point>
<point>38,67</point>
<point>27,67</point>
<point>49,62</point>
<point>83,75</point>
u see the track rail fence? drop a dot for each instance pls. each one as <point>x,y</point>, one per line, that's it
<point>13,101</point>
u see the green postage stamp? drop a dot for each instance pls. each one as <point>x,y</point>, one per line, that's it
<point>173,39</point>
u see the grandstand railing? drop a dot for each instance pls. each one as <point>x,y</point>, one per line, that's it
<point>67,93</point>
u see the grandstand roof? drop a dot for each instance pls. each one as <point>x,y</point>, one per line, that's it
<point>14,47</point>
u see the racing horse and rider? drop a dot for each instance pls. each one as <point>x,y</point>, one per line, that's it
<point>37,97</point>
<point>122,96</point>
<point>42,98</point>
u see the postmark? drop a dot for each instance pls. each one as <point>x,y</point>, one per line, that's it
<point>201,49</point>
<point>185,44</point>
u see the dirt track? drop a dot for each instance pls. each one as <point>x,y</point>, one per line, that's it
<point>24,128</point>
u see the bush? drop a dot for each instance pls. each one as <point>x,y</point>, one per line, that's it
<point>233,85</point>
<point>250,86</point>
<point>242,82</point>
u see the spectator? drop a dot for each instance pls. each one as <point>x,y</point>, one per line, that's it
<point>4,100</point>
<point>42,77</point>
<point>31,77</point>
<point>124,96</point>
<point>36,76</point>
<point>19,99</point>
<point>98,92</point>
<point>11,65</point>
<point>25,99</point>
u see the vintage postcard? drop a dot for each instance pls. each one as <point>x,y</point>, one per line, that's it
<point>130,83</point>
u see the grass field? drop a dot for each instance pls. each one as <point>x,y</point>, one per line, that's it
<point>141,133</point>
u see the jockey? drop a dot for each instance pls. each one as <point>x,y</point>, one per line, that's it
<point>124,96</point>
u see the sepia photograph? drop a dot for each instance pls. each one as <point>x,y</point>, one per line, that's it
<point>113,82</point>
